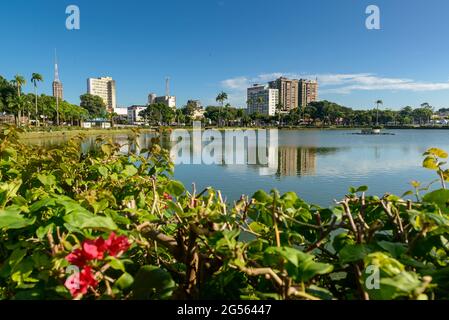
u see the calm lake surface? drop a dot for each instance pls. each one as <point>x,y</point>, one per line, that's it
<point>319,165</point>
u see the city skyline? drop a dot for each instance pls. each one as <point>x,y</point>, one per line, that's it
<point>354,66</point>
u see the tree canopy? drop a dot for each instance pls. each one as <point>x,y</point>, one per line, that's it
<point>94,105</point>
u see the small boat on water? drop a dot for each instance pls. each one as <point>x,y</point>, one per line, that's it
<point>373,131</point>
<point>370,131</point>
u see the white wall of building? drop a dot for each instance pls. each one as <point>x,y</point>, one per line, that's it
<point>270,100</point>
<point>105,89</point>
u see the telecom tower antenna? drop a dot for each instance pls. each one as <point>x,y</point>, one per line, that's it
<point>167,86</point>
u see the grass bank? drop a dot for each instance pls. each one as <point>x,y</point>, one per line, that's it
<point>71,133</point>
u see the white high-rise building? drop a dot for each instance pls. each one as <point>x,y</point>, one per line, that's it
<point>103,87</point>
<point>262,99</point>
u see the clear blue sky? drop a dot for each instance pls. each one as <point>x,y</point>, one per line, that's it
<point>206,46</point>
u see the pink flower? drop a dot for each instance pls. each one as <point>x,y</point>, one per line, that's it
<point>77,258</point>
<point>79,283</point>
<point>94,249</point>
<point>167,196</point>
<point>116,245</point>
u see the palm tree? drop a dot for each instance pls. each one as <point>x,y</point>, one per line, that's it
<point>16,103</point>
<point>428,110</point>
<point>378,102</point>
<point>18,82</point>
<point>112,117</point>
<point>221,98</point>
<point>35,78</point>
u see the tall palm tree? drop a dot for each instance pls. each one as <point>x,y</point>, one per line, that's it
<point>378,102</point>
<point>221,98</point>
<point>18,82</point>
<point>35,78</point>
<point>428,110</point>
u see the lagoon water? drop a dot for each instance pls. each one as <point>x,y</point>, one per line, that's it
<point>319,165</point>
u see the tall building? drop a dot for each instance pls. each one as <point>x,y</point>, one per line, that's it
<point>58,90</point>
<point>152,98</point>
<point>104,88</point>
<point>169,101</point>
<point>308,92</point>
<point>262,99</point>
<point>288,92</point>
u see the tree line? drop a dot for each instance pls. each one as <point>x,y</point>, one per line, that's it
<point>28,108</point>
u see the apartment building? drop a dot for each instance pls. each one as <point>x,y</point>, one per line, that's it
<point>262,99</point>
<point>103,87</point>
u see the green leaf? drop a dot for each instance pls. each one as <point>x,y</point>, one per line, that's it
<point>130,170</point>
<point>437,153</point>
<point>353,252</point>
<point>86,220</point>
<point>262,197</point>
<point>42,231</point>
<point>272,255</point>
<point>47,180</point>
<point>309,269</point>
<point>175,188</point>
<point>11,218</point>
<point>153,283</point>
<point>440,198</point>
<point>395,249</point>
<point>125,281</point>
<point>430,163</point>
<point>116,263</point>
<point>103,171</point>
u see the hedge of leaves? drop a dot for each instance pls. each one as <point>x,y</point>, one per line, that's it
<point>108,225</point>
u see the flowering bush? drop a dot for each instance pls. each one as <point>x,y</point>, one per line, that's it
<point>92,251</point>
<point>105,225</point>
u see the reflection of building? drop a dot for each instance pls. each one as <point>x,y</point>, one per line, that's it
<point>306,161</point>
<point>288,92</point>
<point>104,88</point>
<point>262,99</point>
<point>308,92</point>
<point>297,161</point>
<point>288,161</point>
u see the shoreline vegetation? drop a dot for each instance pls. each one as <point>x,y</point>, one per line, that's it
<point>74,131</point>
<point>107,225</point>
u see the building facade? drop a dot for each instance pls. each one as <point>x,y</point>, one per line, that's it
<point>104,88</point>
<point>133,114</point>
<point>262,99</point>
<point>58,90</point>
<point>288,92</point>
<point>308,92</point>
<point>169,101</point>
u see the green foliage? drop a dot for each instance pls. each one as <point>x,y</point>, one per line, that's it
<point>184,245</point>
<point>158,113</point>
<point>94,105</point>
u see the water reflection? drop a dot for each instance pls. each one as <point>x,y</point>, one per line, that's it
<point>278,160</point>
<point>318,165</point>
